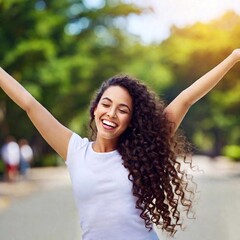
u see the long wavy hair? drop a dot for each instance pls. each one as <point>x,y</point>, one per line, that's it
<point>153,157</point>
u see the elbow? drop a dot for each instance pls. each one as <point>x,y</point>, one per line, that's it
<point>28,104</point>
<point>188,104</point>
<point>187,101</point>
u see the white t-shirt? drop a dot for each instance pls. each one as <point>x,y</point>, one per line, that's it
<point>26,152</point>
<point>103,194</point>
<point>11,153</point>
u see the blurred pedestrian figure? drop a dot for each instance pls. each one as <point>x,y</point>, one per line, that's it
<point>11,156</point>
<point>26,156</point>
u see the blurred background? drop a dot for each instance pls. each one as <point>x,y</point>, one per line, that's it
<point>62,50</point>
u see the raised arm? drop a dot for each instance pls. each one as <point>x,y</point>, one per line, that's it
<point>52,131</point>
<point>178,108</point>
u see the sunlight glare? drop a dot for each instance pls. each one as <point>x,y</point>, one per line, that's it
<point>176,12</point>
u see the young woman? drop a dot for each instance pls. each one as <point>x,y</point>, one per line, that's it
<point>128,177</point>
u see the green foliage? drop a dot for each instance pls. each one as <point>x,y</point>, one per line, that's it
<point>61,51</point>
<point>48,160</point>
<point>189,53</point>
<point>2,168</point>
<point>232,151</point>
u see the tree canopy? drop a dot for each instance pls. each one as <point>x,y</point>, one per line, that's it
<point>62,50</point>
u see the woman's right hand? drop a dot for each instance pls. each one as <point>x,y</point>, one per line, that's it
<point>51,130</point>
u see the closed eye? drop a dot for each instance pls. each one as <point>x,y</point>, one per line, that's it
<point>123,111</point>
<point>105,105</point>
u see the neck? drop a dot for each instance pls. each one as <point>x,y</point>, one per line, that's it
<point>104,145</point>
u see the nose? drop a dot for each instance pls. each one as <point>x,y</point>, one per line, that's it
<point>111,113</point>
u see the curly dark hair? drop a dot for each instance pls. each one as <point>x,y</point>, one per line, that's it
<point>151,154</point>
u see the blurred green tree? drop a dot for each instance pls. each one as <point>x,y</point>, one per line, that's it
<point>60,51</point>
<point>189,53</point>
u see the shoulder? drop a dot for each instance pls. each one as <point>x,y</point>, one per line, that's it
<point>76,146</point>
<point>77,142</point>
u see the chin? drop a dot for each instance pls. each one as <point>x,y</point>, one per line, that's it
<point>113,138</point>
<point>108,136</point>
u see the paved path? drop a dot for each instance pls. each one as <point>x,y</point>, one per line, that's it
<point>47,215</point>
<point>39,209</point>
<point>43,208</point>
<point>217,207</point>
<point>217,211</point>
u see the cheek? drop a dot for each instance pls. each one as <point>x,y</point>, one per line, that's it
<point>98,111</point>
<point>126,120</point>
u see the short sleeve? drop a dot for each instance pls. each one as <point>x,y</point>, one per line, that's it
<point>74,146</point>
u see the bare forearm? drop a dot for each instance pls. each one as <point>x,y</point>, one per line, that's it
<point>14,90</point>
<point>178,108</point>
<point>207,82</point>
<point>54,132</point>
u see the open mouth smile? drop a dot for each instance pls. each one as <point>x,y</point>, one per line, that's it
<point>109,125</point>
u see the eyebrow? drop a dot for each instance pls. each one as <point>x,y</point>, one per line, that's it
<point>121,104</point>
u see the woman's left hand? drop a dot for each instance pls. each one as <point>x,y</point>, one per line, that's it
<point>236,54</point>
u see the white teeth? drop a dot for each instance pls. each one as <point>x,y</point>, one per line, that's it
<point>111,124</point>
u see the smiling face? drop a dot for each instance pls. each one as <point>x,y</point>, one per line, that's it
<point>113,113</point>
